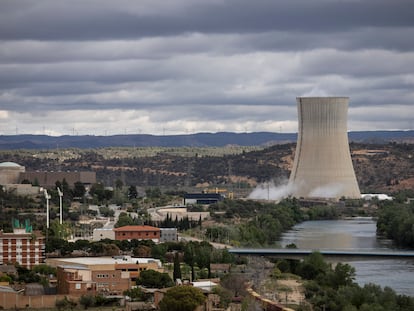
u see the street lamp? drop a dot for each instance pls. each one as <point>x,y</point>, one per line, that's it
<point>60,204</point>
<point>47,197</point>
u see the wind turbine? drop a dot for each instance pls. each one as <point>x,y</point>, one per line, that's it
<point>60,204</point>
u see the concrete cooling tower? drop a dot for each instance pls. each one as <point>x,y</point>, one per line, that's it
<point>322,166</point>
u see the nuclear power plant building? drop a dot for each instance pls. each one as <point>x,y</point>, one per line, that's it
<point>322,166</point>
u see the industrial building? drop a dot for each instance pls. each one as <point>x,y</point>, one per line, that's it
<point>322,166</point>
<point>202,198</point>
<point>12,175</point>
<point>49,179</point>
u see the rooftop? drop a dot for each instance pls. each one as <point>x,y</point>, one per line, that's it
<point>89,261</point>
<point>137,228</point>
<point>9,164</point>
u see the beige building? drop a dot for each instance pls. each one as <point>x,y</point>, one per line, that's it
<point>49,179</point>
<point>10,173</point>
<point>103,233</point>
<point>100,275</point>
<point>322,166</point>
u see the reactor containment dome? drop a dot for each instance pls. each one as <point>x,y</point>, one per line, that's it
<point>322,166</point>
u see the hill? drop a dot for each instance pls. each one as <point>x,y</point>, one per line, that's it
<point>379,167</point>
<point>221,139</point>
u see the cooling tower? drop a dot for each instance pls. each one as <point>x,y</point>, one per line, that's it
<point>322,166</point>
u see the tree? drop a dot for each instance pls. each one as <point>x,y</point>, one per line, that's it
<point>60,231</point>
<point>189,258</point>
<point>106,211</point>
<point>124,220</point>
<point>61,303</point>
<point>142,251</point>
<point>78,190</point>
<point>202,258</point>
<point>99,192</point>
<point>344,274</point>
<point>110,249</point>
<point>182,298</point>
<point>119,184</point>
<point>57,244</point>
<point>136,294</point>
<point>177,268</point>
<point>154,279</point>
<point>235,283</point>
<point>314,265</point>
<point>132,192</point>
<point>64,303</point>
<point>44,270</point>
<point>87,301</point>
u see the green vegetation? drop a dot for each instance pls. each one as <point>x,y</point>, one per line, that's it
<point>182,298</point>
<point>65,303</point>
<point>237,222</point>
<point>136,294</point>
<point>154,279</point>
<point>334,289</point>
<point>177,268</point>
<point>260,223</point>
<point>396,221</point>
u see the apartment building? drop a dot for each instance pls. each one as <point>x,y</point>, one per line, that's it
<point>23,246</point>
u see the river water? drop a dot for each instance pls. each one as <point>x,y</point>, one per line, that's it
<point>356,233</point>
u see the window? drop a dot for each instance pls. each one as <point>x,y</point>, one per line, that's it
<point>77,286</point>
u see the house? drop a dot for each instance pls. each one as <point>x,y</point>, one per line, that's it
<point>138,233</point>
<point>168,235</point>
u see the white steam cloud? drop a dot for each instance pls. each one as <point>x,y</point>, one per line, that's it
<point>332,190</point>
<point>276,191</point>
<point>272,191</point>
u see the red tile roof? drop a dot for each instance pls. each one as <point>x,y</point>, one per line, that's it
<point>137,228</point>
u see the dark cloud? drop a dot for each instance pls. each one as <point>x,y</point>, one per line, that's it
<point>188,65</point>
<point>102,20</point>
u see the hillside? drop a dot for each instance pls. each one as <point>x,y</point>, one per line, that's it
<point>9,142</point>
<point>379,167</point>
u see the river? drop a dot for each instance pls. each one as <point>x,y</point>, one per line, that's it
<point>356,233</point>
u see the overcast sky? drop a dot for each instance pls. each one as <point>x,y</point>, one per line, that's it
<point>184,66</point>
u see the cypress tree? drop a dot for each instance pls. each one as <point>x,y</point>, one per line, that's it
<point>177,268</point>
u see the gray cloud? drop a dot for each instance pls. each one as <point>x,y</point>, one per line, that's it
<point>100,19</point>
<point>188,66</point>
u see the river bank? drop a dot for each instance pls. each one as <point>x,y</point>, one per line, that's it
<point>355,233</point>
